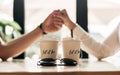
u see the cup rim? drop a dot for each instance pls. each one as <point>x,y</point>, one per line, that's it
<point>49,39</point>
<point>70,39</point>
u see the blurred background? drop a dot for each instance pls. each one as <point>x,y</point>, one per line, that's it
<point>102,18</point>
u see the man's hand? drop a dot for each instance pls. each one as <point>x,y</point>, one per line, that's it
<point>52,23</point>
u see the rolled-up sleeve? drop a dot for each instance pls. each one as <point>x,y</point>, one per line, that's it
<point>99,49</point>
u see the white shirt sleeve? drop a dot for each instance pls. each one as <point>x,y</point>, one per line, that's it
<point>100,50</point>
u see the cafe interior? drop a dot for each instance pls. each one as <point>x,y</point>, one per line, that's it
<point>98,18</point>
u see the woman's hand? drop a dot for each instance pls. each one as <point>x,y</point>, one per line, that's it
<point>52,23</point>
<point>66,20</point>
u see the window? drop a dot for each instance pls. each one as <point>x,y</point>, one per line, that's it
<point>103,17</point>
<point>6,7</point>
<point>36,12</point>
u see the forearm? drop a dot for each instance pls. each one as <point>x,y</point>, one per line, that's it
<point>19,45</point>
<point>99,50</point>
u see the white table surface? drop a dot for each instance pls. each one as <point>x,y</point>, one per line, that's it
<point>30,66</point>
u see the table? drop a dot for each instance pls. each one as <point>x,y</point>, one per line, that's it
<point>86,67</point>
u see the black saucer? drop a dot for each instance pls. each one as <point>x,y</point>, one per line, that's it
<point>47,62</point>
<point>52,62</point>
<point>68,62</point>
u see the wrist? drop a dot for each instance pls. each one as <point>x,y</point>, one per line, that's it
<point>70,25</point>
<point>41,28</point>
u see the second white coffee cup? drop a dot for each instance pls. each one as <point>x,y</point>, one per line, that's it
<point>71,48</point>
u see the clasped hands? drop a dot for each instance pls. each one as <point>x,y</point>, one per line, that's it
<point>55,21</point>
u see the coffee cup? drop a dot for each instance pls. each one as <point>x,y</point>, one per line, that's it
<point>71,48</point>
<point>48,48</point>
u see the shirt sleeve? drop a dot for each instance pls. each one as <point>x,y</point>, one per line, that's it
<point>99,49</point>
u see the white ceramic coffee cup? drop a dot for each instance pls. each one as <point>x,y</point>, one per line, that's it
<point>71,48</point>
<point>48,48</point>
